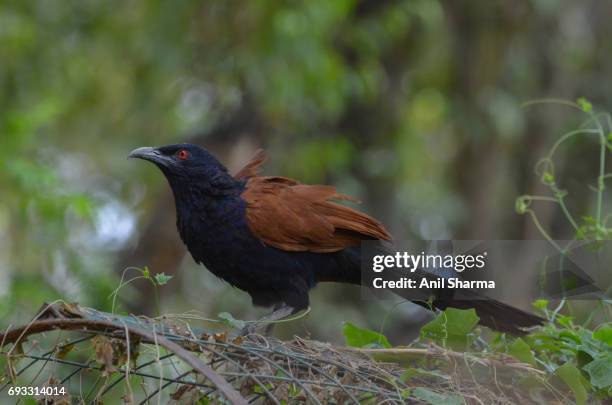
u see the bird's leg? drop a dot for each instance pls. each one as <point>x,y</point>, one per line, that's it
<point>267,322</point>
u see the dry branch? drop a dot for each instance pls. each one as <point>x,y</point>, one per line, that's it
<point>16,335</point>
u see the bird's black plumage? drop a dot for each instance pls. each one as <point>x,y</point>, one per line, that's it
<point>276,238</point>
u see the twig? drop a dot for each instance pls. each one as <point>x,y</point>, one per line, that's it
<point>448,353</point>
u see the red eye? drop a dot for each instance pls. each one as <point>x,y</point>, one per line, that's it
<point>182,154</point>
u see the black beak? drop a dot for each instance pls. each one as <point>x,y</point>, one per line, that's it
<point>148,153</point>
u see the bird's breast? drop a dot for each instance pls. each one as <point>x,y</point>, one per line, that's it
<point>220,238</point>
<point>217,235</point>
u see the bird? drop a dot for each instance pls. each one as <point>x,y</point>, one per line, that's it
<point>276,238</point>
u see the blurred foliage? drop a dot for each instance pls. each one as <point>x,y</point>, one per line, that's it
<point>78,80</point>
<point>411,106</point>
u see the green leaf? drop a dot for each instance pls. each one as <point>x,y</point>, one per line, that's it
<point>583,357</point>
<point>434,398</point>
<point>540,304</point>
<point>359,337</point>
<point>584,104</point>
<point>521,351</point>
<point>565,321</point>
<point>521,204</point>
<point>452,328</point>
<point>548,178</point>
<point>604,334</point>
<point>600,371</point>
<point>230,321</point>
<point>162,278</point>
<point>572,377</point>
<point>569,336</point>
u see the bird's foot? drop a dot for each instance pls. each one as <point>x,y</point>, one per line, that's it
<point>249,329</point>
<point>266,323</point>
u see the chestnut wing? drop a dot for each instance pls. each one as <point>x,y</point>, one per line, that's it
<point>297,217</point>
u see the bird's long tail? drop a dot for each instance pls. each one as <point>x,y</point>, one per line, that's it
<point>493,314</point>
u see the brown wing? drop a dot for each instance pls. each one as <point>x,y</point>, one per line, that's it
<point>252,168</point>
<point>297,217</point>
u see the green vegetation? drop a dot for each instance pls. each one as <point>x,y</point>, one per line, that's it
<point>591,227</point>
<point>567,353</point>
<point>156,281</point>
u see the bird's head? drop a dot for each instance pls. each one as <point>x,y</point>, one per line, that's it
<point>188,166</point>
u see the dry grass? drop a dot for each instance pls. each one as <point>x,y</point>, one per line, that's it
<point>100,356</point>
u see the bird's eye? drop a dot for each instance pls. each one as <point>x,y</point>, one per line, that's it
<point>182,154</point>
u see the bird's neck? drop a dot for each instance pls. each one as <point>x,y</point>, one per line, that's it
<point>195,198</point>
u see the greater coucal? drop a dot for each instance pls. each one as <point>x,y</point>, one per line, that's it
<point>276,238</point>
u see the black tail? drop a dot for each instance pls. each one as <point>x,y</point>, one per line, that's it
<point>493,314</point>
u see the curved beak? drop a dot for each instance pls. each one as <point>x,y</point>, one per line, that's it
<point>147,153</point>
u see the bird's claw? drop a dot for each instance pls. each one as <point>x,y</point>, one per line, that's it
<point>264,329</point>
<point>247,330</point>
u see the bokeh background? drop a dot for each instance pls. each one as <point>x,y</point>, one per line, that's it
<point>412,106</point>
